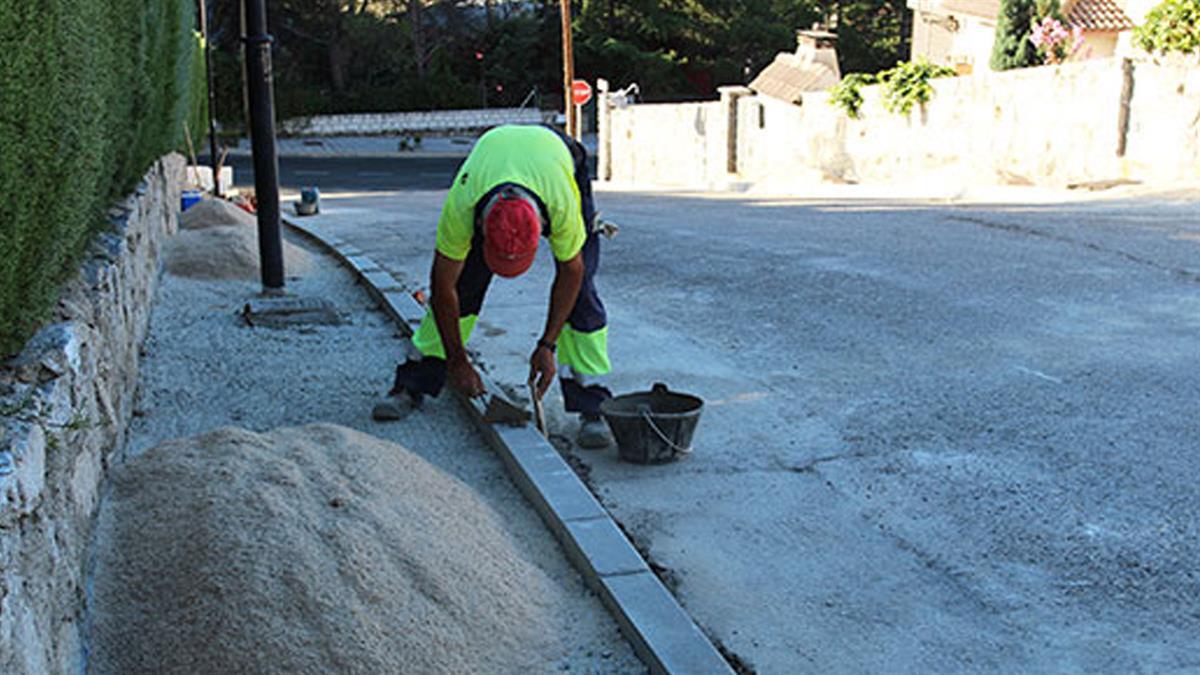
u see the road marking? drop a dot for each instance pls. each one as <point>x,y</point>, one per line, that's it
<point>374,174</point>
<point>1038,373</point>
<point>310,173</point>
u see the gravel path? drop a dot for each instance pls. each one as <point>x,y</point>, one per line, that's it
<point>203,369</point>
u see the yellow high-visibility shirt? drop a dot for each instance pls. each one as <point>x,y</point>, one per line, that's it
<point>533,157</point>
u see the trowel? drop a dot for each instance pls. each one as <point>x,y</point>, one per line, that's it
<point>499,410</point>
<point>539,415</point>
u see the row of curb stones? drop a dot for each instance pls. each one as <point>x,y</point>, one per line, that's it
<point>661,632</point>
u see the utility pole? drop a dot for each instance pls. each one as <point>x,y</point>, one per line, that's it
<point>568,68</point>
<point>262,137</point>
<point>212,97</point>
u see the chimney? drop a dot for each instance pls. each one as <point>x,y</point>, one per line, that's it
<point>818,46</point>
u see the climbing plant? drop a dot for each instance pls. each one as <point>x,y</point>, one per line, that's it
<point>847,94</point>
<point>907,85</point>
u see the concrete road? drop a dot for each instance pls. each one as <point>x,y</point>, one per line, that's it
<point>938,438</point>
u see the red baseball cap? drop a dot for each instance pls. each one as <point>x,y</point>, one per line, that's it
<point>511,228</point>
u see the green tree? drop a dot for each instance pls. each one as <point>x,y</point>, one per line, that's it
<point>1012,48</point>
<point>873,35</point>
<point>1172,26</point>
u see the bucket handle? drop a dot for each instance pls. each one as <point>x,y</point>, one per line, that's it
<point>662,436</point>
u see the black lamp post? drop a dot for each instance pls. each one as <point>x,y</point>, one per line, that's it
<point>262,137</point>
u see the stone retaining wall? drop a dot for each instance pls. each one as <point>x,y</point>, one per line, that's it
<point>1048,126</point>
<point>434,121</point>
<point>65,404</point>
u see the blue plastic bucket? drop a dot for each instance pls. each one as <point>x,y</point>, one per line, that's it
<point>190,198</point>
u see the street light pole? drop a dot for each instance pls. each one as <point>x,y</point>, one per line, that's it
<point>568,67</point>
<point>213,159</point>
<point>262,137</point>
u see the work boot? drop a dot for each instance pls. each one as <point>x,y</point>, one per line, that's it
<point>395,407</point>
<point>593,432</point>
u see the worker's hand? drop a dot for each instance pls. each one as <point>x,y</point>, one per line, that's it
<point>462,377</point>
<point>541,369</point>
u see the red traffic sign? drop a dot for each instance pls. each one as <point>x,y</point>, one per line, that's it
<point>581,92</point>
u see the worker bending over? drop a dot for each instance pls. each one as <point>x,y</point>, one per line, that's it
<point>519,184</point>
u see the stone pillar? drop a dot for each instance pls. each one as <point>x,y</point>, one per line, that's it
<point>728,118</point>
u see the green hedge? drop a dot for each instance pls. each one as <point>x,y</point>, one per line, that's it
<point>91,93</point>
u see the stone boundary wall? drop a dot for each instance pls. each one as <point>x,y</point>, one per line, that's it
<point>1049,126</point>
<point>431,122</point>
<point>65,405</point>
<point>664,143</point>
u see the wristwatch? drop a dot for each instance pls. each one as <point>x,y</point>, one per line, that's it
<point>547,344</point>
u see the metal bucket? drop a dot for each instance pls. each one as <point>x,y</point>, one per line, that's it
<point>652,427</point>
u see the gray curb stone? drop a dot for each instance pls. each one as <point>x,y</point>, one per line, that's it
<point>660,631</point>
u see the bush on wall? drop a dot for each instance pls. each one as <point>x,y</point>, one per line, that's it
<point>1173,26</point>
<point>93,92</point>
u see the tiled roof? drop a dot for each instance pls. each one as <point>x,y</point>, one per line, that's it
<point>1098,15</point>
<point>788,77</point>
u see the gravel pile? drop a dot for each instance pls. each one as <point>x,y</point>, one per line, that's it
<point>217,240</point>
<point>310,549</point>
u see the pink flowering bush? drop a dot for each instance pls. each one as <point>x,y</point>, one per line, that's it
<point>1053,41</point>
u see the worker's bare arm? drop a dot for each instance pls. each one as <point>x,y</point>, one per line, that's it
<point>444,282</point>
<point>568,279</point>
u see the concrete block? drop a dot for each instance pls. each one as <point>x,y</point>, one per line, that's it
<point>662,634</point>
<point>362,264</point>
<point>403,309</point>
<point>348,250</point>
<point>382,281</point>
<point>599,549</point>
<point>541,472</point>
<point>401,306</point>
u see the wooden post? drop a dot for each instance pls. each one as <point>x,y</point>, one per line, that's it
<point>1123,111</point>
<point>568,68</point>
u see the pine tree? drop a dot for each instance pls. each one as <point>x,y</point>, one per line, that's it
<point>1012,48</point>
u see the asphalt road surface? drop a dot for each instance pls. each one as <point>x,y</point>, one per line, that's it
<point>937,438</point>
<point>355,173</point>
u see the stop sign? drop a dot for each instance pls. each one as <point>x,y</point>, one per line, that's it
<point>581,92</point>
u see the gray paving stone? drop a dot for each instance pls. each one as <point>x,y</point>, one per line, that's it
<point>552,486</point>
<point>599,549</point>
<point>663,635</point>
<point>381,281</point>
<point>394,306</point>
<point>362,263</point>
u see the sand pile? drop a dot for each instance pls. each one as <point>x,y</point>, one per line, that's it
<point>218,240</point>
<point>210,212</point>
<point>314,549</point>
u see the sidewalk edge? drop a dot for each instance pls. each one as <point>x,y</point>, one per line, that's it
<point>662,634</point>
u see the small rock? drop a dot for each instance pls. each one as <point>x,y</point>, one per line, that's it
<point>606,654</point>
<point>26,373</point>
<point>52,368</point>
